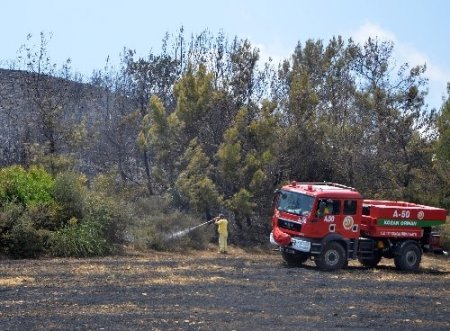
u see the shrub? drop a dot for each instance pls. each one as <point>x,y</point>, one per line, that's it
<point>108,212</point>
<point>97,220</point>
<point>444,230</point>
<point>79,240</point>
<point>10,212</point>
<point>69,192</point>
<point>199,238</point>
<point>25,187</point>
<point>154,229</point>
<point>44,216</point>
<point>76,221</point>
<point>24,240</point>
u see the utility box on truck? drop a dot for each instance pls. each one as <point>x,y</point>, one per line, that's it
<point>332,223</point>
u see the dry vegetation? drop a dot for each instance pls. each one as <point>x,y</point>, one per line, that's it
<point>203,290</point>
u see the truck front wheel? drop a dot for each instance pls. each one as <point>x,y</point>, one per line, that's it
<point>408,258</point>
<point>294,260</point>
<point>332,257</point>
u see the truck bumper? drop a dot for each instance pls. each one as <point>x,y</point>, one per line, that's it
<point>296,244</point>
<point>272,241</point>
<point>280,238</point>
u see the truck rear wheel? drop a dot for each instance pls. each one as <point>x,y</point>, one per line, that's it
<point>332,257</point>
<point>294,260</point>
<point>408,257</point>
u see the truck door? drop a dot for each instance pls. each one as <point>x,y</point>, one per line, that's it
<point>329,214</point>
<point>348,227</point>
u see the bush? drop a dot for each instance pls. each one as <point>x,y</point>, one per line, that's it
<point>444,230</point>
<point>10,212</point>
<point>199,238</point>
<point>97,220</point>
<point>76,221</point>
<point>25,241</point>
<point>69,191</point>
<point>79,240</point>
<point>108,212</point>
<point>44,216</point>
<point>26,187</point>
<point>26,210</point>
<point>156,223</point>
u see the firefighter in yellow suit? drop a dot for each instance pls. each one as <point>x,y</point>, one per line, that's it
<point>222,229</point>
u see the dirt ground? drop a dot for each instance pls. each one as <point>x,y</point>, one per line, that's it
<point>209,291</point>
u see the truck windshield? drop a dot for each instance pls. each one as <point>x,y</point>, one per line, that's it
<point>295,203</point>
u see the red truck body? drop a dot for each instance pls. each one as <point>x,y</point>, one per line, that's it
<point>332,223</point>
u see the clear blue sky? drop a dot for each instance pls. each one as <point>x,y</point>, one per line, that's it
<point>88,31</point>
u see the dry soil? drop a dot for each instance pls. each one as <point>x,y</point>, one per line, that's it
<point>210,291</point>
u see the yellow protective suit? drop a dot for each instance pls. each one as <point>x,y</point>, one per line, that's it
<point>222,229</point>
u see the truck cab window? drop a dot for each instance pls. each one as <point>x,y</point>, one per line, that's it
<point>294,203</point>
<point>328,207</point>
<point>350,207</point>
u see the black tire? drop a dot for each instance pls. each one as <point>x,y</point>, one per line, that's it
<point>372,262</point>
<point>332,257</point>
<point>294,260</point>
<point>408,257</point>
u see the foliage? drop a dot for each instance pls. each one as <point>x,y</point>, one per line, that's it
<point>10,212</point>
<point>444,231</point>
<point>25,187</point>
<point>204,126</point>
<point>157,222</point>
<point>194,183</point>
<point>69,193</point>
<point>441,158</point>
<point>40,214</point>
<point>24,240</point>
<point>107,212</point>
<point>443,125</point>
<point>79,240</point>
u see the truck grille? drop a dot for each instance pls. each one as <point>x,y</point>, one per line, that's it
<point>293,226</point>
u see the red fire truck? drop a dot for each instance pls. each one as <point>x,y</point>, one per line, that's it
<point>331,223</point>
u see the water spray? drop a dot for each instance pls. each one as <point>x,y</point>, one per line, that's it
<point>184,232</point>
